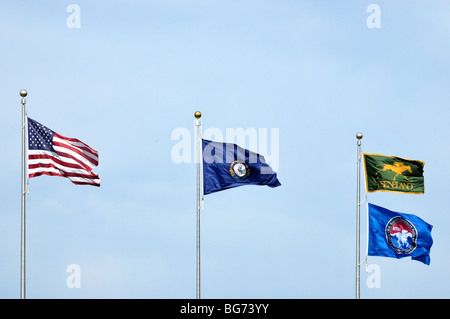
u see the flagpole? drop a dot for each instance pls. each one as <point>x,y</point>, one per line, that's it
<point>359,136</point>
<point>23,94</point>
<point>198,125</point>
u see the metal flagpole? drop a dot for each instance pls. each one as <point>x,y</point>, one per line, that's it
<point>198,125</point>
<point>23,94</point>
<point>359,136</point>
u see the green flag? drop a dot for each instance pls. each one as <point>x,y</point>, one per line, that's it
<point>393,174</point>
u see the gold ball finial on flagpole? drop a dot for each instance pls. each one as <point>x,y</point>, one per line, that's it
<point>359,135</point>
<point>198,114</point>
<point>23,93</point>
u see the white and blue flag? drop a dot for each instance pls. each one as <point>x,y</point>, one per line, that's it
<point>398,235</point>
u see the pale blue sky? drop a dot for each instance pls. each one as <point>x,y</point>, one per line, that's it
<point>137,70</point>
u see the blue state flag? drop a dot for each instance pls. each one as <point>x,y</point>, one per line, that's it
<point>227,165</point>
<point>398,235</point>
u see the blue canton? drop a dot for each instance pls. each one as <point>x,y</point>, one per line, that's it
<point>39,136</point>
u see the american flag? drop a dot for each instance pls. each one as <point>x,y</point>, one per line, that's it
<point>52,154</point>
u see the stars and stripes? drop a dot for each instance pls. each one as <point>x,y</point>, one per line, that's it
<point>52,154</point>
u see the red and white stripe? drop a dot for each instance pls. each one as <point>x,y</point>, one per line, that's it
<point>72,159</point>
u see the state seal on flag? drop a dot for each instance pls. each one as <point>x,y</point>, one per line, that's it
<point>240,170</point>
<point>401,235</point>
